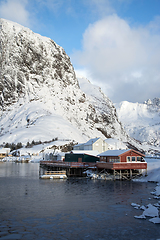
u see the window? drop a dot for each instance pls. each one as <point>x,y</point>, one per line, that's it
<point>110,160</point>
<point>133,159</point>
<point>103,159</point>
<point>128,159</point>
<point>139,159</point>
<point>114,160</point>
<point>117,160</point>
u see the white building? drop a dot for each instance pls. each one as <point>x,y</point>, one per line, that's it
<point>4,152</point>
<point>95,144</point>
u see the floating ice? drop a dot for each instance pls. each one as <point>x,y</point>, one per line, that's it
<point>155,220</point>
<point>151,211</point>
<point>140,217</point>
<point>135,205</point>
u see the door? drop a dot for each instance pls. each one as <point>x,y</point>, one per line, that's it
<point>79,159</point>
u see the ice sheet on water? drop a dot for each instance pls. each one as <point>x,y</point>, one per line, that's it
<point>155,220</point>
<point>143,207</point>
<point>135,205</point>
<point>140,217</point>
<point>149,211</point>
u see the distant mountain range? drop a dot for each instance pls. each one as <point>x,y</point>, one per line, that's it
<point>142,121</point>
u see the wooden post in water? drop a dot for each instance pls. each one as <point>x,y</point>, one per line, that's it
<point>146,172</point>
<point>120,174</point>
<point>114,173</point>
<point>130,173</point>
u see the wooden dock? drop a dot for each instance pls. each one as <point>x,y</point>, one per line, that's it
<point>72,169</point>
<point>53,175</point>
<point>115,171</point>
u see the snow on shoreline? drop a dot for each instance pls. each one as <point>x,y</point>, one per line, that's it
<point>153,175</point>
<point>153,171</point>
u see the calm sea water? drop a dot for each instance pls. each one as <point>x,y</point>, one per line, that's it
<point>33,208</point>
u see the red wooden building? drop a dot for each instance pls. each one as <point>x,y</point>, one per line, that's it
<point>122,160</point>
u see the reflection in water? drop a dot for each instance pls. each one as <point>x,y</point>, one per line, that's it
<point>33,208</point>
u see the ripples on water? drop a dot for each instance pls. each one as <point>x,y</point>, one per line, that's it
<point>33,208</point>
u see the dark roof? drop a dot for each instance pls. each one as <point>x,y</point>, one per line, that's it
<point>86,152</point>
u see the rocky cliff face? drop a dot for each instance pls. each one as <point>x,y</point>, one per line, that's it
<point>30,61</point>
<point>39,90</point>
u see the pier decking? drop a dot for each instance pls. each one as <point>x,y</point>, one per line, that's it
<point>72,168</point>
<point>77,169</point>
<point>121,165</point>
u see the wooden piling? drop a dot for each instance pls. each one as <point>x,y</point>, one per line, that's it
<point>120,175</point>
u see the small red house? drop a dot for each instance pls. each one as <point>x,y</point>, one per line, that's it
<point>121,160</point>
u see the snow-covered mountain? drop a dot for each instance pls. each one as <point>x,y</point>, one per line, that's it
<point>40,96</point>
<point>141,120</point>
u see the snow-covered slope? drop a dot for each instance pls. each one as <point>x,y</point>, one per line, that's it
<point>40,96</point>
<point>141,120</point>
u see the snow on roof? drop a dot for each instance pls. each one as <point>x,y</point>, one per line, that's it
<point>114,152</point>
<point>91,141</point>
<point>79,144</point>
<point>88,152</point>
<point>4,150</point>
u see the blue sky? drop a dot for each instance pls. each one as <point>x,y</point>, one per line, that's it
<point>114,43</point>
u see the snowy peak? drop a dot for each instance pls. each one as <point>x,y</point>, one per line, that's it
<point>141,120</point>
<point>154,102</point>
<point>40,96</point>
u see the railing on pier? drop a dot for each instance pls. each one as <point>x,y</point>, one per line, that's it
<point>55,172</point>
<point>67,164</point>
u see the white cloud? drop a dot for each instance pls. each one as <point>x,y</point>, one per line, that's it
<point>155,25</point>
<point>15,10</point>
<point>124,59</point>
